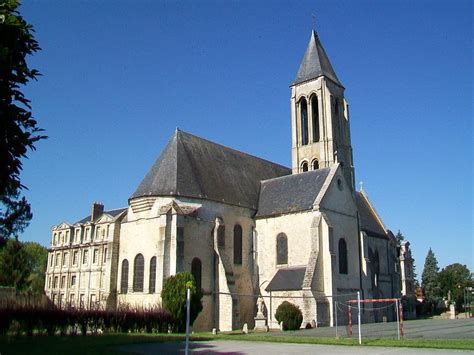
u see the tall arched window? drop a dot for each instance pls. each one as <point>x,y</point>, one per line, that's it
<point>304,121</point>
<point>196,269</point>
<point>315,118</point>
<point>152,281</point>
<point>221,236</point>
<point>237,245</point>
<point>315,164</point>
<point>138,271</point>
<point>304,166</point>
<point>124,277</point>
<point>342,256</point>
<point>282,249</point>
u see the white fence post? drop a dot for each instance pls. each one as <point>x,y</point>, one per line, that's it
<point>358,316</point>
<point>188,309</point>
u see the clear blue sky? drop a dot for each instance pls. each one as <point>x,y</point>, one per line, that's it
<point>120,76</point>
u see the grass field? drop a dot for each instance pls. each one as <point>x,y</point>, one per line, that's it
<point>107,344</point>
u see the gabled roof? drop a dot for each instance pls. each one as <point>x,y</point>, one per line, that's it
<point>292,193</point>
<point>287,279</point>
<point>369,220</point>
<point>112,213</point>
<point>315,63</point>
<point>194,167</point>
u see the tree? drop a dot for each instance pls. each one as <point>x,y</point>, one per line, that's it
<point>37,257</point>
<point>18,129</point>
<point>290,315</point>
<point>14,266</point>
<point>429,278</point>
<point>453,279</point>
<point>173,297</point>
<point>399,237</point>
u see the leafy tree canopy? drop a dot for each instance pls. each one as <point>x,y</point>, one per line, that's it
<point>399,236</point>
<point>173,297</point>
<point>14,266</point>
<point>429,277</point>
<point>18,129</point>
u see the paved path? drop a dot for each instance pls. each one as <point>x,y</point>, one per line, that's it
<point>243,347</point>
<point>414,329</point>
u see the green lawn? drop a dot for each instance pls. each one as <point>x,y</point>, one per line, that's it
<point>104,344</point>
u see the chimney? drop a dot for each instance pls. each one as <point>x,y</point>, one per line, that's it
<point>97,210</point>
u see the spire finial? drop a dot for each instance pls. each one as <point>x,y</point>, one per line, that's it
<point>313,16</point>
<point>361,186</point>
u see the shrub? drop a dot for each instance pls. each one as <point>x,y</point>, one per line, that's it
<point>290,315</point>
<point>173,296</point>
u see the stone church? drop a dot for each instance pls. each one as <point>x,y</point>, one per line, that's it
<point>243,226</point>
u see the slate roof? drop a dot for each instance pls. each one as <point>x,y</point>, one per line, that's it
<point>113,213</point>
<point>367,219</point>
<point>315,63</point>
<point>194,167</point>
<point>287,279</point>
<point>290,193</point>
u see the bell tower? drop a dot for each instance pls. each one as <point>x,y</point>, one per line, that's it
<point>319,115</point>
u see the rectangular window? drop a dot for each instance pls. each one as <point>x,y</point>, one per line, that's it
<point>56,279</point>
<point>93,302</point>
<point>73,281</point>
<point>65,257</point>
<point>105,255</point>
<point>72,301</point>
<point>49,282</point>
<point>63,281</point>
<point>51,257</point>
<point>75,256</point>
<point>56,262</point>
<point>95,255</point>
<point>81,301</point>
<point>180,242</point>
<point>85,256</point>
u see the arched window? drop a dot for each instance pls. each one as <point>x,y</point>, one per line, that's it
<point>196,269</point>
<point>315,164</point>
<point>304,166</point>
<point>152,280</point>
<point>124,277</point>
<point>315,118</point>
<point>138,271</point>
<point>282,249</point>
<point>304,122</point>
<point>237,245</point>
<point>342,256</point>
<point>221,236</point>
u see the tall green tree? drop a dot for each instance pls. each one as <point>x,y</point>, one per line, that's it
<point>453,279</point>
<point>429,278</point>
<point>37,258</point>
<point>18,129</point>
<point>173,296</point>
<point>399,237</point>
<point>14,268</point>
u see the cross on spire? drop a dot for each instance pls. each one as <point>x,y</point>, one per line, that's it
<point>313,16</point>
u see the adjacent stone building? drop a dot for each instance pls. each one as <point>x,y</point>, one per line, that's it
<point>242,225</point>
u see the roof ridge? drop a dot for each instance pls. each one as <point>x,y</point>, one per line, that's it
<point>286,176</point>
<point>230,149</point>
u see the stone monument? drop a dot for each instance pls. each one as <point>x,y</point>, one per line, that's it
<point>260,319</point>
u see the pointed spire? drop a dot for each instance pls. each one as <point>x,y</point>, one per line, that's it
<point>315,63</point>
